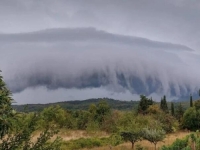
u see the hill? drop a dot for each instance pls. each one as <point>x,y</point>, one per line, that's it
<point>84,105</point>
<point>79,105</point>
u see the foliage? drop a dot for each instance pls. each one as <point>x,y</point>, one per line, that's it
<point>130,127</point>
<point>22,138</point>
<point>131,136</point>
<point>191,119</point>
<point>179,112</point>
<point>197,104</point>
<point>172,109</point>
<point>80,105</point>
<point>115,139</point>
<point>178,144</point>
<point>80,119</point>
<point>6,111</point>
<point>154,109</point>
<point>53,115</point>
<point>103,109</point>
<point>139,147</point>
<point>163,104</point>
<point>191,101</point>
<point>110,122</point>
<point>190,142</point>
<point>154,136</point>
<point>85,143</point>
<point>165,120</point>
<point>144,104</point>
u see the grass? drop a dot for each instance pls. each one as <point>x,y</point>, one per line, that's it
<point>170,138</point>
<point>93,138</point>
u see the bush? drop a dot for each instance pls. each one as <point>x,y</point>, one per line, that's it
<point>85,143</point>
<point>178,144</point>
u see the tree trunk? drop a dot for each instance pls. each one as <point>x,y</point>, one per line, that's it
<point>155,145</point>
<point>133,145</point>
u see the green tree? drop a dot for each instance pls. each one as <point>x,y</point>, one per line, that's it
<point>82,119</point>
<point>191,101</point>
<point>103,109</point>
<point>154,136</point>
<point>163,104</point>
<point>191,119</point>
<point>197,104</point>
<point>131,136</point>
<point>172,109</point>
<point>6,111</point>
<point>144,104</point>
<point>21,138</point>
<point>130,127</point>
<point>179,112</point>
<point>54,115</point>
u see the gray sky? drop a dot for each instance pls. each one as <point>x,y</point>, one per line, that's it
<point>77,49</point>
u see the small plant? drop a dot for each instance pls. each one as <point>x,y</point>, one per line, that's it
<point>139,147</point>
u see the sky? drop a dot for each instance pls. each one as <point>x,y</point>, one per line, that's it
<point>79,49</point>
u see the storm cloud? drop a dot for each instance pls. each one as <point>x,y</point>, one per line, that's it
<point>121,48</point>
<point>85,57</point>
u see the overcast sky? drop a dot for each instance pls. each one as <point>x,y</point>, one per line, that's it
<point>78,49</point>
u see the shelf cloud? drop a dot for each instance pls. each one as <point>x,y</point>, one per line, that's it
<point>112,48</point>
<point>88,58</point>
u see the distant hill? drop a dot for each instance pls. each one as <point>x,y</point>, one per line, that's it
<point>79,105</point>
<point>84,105</point>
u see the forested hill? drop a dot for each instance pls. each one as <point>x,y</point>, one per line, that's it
<point>80,105</point>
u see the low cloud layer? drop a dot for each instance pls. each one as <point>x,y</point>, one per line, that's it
<point>83,58</point>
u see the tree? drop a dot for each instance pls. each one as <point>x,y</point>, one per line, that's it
<point>6,111</point>
<point>191,119</point>
<point>102,110</point>
<point>131,136</point>
<point>21,138</point>
<point>144,104</point>
<point>154,109</point>
<point>191,101</point>
<point>197,104</point>
<point>163,104</point>
<point>172,108</point>
<point>129,126</point>
<point>154,136</point>
<point>54,115</point>
<point>179,112</point>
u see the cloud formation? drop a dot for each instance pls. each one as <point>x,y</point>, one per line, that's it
<point>88,58</point>
<point>167,20</point>
<point>123,47</point>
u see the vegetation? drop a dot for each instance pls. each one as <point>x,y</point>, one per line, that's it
<point>172,109</point>
<point>122,121</point>
<point>190,142</point>
<point>191,101</point>
<point>16,129</point>
<point>79,105</point>
<point>163,104</point>
<point>154,136</point>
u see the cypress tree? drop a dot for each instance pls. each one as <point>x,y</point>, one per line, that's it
<point>179,112</point>
<point>163,104</point>
<point>191,101</point>
<point>172,108</point>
